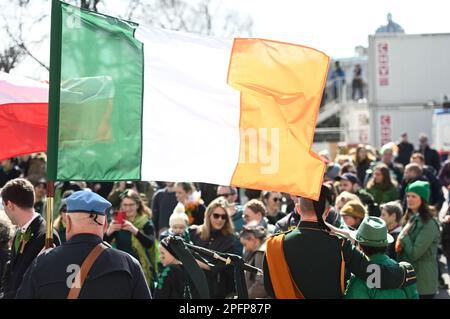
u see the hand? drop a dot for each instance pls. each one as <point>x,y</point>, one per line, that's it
<point>130,227</point>
<point>122,186</point>
<point>335,231</point>
<point>446,219</point>
<point>406,229</point>
<point>113,227</point>
<point>202,265</point>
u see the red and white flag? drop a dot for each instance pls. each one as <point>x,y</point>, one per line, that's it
<point>23,116</point>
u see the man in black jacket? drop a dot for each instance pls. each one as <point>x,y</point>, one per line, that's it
<point>163,204</point>
<point>18,200</point>
<point>431,156</point>
<point>405,150</point>
<point>114,273</point>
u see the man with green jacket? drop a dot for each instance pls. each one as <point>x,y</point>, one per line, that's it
<point>373,239</point>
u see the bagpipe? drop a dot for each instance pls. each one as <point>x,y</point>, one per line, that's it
<point>188,254</point>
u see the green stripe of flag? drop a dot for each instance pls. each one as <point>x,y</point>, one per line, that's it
<point>99,121</point>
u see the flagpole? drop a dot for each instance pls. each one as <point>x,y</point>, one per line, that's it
<point>53,114</point>
<point>49,214</point>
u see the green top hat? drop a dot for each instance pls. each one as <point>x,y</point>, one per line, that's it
<point>372,232</point>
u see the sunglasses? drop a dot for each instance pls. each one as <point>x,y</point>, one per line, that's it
<point>277,199</point>
<point>217,216</point>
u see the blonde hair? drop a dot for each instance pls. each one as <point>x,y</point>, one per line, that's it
<point>346,197</point>
<point>204,230</point>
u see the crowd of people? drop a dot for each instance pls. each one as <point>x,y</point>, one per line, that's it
<point>383,204</point>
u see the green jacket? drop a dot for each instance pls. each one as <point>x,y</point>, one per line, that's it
<point>358,289</point>
<point>419,248</point>
<point>382,196</point>
<point>314,258</point>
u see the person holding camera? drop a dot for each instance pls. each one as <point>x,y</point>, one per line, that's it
<point>132,231</point>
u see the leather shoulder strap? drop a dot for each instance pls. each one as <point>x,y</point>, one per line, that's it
<point>85,268</point>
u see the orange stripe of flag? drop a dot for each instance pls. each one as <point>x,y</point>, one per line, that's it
<point>281,87</point>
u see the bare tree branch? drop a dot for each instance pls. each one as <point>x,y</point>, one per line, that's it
<point>133,6</point>
<point>207,17</point>
<point>23,47</point>
<point>20,43</point>
<point>89,4</point>
<point>19,48</point>
<point>9,58</point>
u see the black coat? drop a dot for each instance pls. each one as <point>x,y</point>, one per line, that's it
<point>176,285</point>
<point>220,277</point>
<point>4,259</point>
<point>20,262</point>
<point>361,170</point>
<point>115,274</point>
<point>163,204</point>
<point>431,157</point>
<point>9,175</point>
<point>405,150</point>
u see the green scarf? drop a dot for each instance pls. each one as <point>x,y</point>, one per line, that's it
<point>147,257</point>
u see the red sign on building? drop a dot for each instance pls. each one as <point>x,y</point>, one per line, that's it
<point>385,128</point>
<point>383,64</point>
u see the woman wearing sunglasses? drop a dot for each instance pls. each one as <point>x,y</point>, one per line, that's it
<point>217,233</point>
<point>272,201</point>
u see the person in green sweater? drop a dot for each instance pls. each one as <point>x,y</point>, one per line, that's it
<point>372,238</point>
<point>381,187</point>
<point>417,242</point>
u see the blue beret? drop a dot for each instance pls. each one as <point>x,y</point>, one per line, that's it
<point>86,201</point>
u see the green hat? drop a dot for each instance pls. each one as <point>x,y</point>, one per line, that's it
<point>421,188</point>
<point>373,233</point>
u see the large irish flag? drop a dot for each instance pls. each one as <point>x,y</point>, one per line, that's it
<point>131,102</point>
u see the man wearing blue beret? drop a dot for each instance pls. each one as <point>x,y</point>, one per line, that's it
<point>85,267</point>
